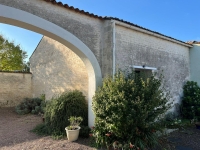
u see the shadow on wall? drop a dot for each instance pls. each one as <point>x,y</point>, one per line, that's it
<point>56,69</point>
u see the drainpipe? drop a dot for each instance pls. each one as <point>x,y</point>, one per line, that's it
<point>113,46</point>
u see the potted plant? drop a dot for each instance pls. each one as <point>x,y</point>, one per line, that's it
<point>72,130</point>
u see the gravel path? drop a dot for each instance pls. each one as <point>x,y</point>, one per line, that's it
<point>15,135</point>
<point>186,139</point>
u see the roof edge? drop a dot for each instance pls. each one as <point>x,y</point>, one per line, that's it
<point>142,29</point>
<point>152,33</point>
<point>36,47</point>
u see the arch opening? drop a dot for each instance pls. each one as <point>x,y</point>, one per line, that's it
<point>16,17</point>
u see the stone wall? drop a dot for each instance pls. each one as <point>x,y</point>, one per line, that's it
<point>56,69</point>
<point>14,87</point>
<point>136,48</point>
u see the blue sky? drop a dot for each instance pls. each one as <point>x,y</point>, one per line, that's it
<point>175,18</point>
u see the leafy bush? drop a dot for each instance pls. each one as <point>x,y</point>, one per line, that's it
<point>128,111</point>
<point>30,105</point>
<point>59,109</point>
<point>191,101</point>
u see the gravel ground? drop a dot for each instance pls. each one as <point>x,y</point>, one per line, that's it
<point>15,135</point>
<point>185,139</point>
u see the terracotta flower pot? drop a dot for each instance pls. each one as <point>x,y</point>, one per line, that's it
<point>72,135</point>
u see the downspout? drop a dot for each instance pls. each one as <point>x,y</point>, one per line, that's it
<point>113,47</point>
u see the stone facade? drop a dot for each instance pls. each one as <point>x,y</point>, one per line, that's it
<point>56,69</point>
<point>14,87</point>
<point>132,48</point>
<point>137,49</point>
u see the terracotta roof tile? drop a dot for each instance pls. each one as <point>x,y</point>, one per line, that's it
<point>193,42</point>
<point>107,18</point>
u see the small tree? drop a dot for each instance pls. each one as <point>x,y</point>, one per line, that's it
<point>128,109</point>
<point>12,57</point>
<point>61,108</point>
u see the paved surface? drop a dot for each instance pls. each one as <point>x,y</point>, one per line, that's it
<point>183,148</point>
<point>188,139</point>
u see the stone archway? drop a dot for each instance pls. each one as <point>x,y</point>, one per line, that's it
<point>16,17</point>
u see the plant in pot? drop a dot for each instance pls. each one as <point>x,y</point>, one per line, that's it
<point>73,129</point>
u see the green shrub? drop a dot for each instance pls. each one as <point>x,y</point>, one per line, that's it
<point>30,105</point>
<point>128,109</point>
<point>59,109</point>
<point>191,101</point>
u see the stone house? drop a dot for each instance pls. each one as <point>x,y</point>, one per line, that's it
<point>79,49</point>
<point>119,45</point>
